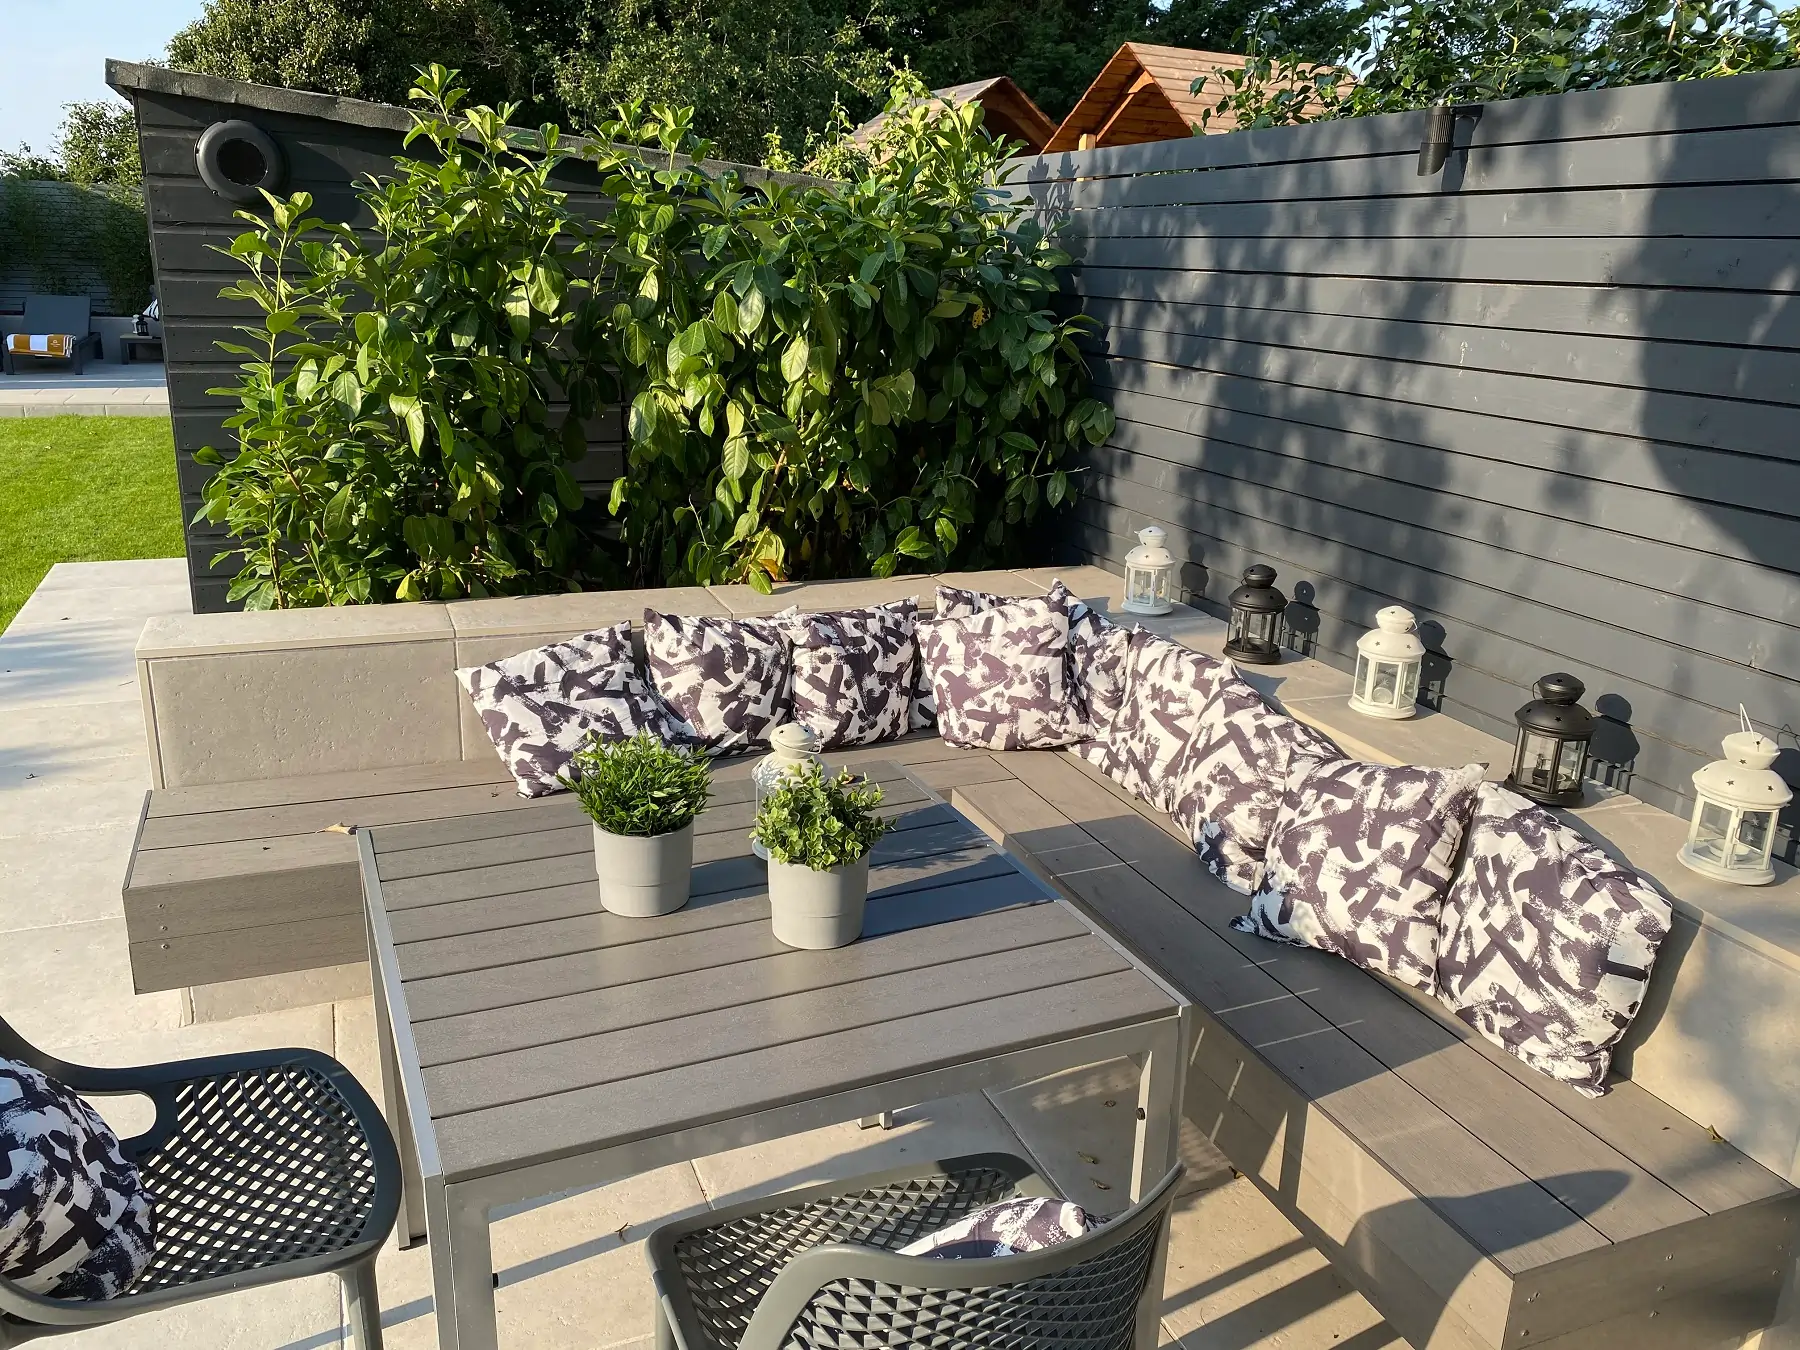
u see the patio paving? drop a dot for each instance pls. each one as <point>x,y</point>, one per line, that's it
<point>72,772</point>
<point>103,389</point>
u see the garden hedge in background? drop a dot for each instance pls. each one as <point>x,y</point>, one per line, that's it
<point>827,380</point>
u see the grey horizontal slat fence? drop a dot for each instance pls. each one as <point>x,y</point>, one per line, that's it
<point>1546,399</point>
<point>330,145</point>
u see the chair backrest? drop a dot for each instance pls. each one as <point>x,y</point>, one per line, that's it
<point>1085,1294</point>
<point>58,314</point>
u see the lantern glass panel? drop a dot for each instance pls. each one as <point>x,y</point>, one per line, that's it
<point>1409,683</point>
<point>1568,773</point>
<point>1755,836</point>
<point>1386,681</point>
<point>1537,760</point>
<point>1260,630</point>
<point>1236,633</point>
<point>1361,686</point>
<point>1711,831</point>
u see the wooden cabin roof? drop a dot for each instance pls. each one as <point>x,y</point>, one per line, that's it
<point>1007,111</point>
<point>1142,95</point>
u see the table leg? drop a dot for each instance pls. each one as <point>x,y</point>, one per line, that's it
<point>462,1272</point>
<point>1161,1074</point>
<point>885,1120</point>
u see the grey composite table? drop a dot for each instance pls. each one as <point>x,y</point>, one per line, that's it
<point>533,1043</point>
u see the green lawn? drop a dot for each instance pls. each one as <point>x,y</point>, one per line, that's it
<point>82,489</point>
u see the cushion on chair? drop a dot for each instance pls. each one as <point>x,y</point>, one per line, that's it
<point>1546,943</point>
<point>540,706</point>
<point>1026,1224</point>
<point>1359,860</point>
<point>1225,788</point>
<point>729,678</point>
<point>854,672</point>
<point>1000,677</point>
<point>75,1219</point>
<point>1169,688</point>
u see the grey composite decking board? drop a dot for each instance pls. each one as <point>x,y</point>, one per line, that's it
<point>1753,265</point>
<point>1740,613</point>
<point>636,1001</point>
<point>1735,318</point>
<point>578,837</point>
<point>1756,374</point>
<point>1487,626</point>
<point>1628,111</point>
<point>567,900</point>
<point>266,949</point>
<point>1496,1204</point>
<point>483,1141</point>
<point>1730,155</point>
<point>1735,425</point>
<point>347,786</point>
<point>308,818</point>
<point>1630,758</point>
<point>1610,525</point>
<point>1695,475</point>
<point>1305,1159</point>
<point>1682,1155</point>
<point>1714,210</point>
<point>765,1019</point>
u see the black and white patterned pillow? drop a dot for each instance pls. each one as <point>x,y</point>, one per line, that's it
<point>1359,862</point>
<point>1169,687</point>
<point>1225,788</point>
<point>729,679</point>
<point>1546,943</point>
<point>540,706</point>
<point>75,1219</point>
<point>1006,1228</point>
<point>854,672</point>
<point>1000,678</point>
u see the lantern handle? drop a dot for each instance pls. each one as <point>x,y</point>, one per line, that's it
<point>1744,717</point>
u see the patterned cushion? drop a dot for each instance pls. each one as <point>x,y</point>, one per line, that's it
<point>729,678</point>
<point>75,1220</point>
<point>1546,943</point>
<point>1027,1224</point>
<point>1225,789</point>
<point>1170,686</point>
<point>854,672</point>
<point>540,706</point>
<point>1000,677</point>
<point>1359,862</point>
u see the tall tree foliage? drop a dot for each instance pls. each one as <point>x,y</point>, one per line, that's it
<point>1416,53</point>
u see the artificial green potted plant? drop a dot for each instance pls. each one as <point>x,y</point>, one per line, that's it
<point>642,796</point>
<point>818,832</point>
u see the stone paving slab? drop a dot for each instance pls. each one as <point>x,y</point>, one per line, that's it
<point>103,389</point>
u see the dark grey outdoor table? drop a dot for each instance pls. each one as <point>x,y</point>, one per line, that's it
<point>533,1043</point>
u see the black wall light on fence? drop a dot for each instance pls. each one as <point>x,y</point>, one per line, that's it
<point>239,161</point>
<point>1440,134</point>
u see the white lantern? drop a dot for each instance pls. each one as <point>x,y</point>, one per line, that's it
<point>1388,660</point>
<point>1149,573</point>
<point>790,746</point>
<point>1733,830</point>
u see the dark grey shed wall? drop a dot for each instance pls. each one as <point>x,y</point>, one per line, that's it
<point>1547,400</point>
<point>330,144</point>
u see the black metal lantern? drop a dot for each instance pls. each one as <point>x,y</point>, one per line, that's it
<point>1255,627</point>
<point>1553,741</point>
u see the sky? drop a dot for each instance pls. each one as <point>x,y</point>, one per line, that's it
<point>54,52</point>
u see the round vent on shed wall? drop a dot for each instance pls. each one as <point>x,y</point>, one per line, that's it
<point>239,161</point>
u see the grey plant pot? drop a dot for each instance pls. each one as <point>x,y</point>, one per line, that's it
<point>817,910</point>
<point>642,876</point>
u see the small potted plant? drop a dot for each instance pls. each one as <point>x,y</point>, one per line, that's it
<point>818,832</point>
<point>642,796</point>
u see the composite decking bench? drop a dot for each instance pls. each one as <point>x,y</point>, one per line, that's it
<point>1475,1203</point>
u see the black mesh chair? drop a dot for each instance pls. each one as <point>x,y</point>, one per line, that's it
<point>262,1167</point>
<point>817,1269</point>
